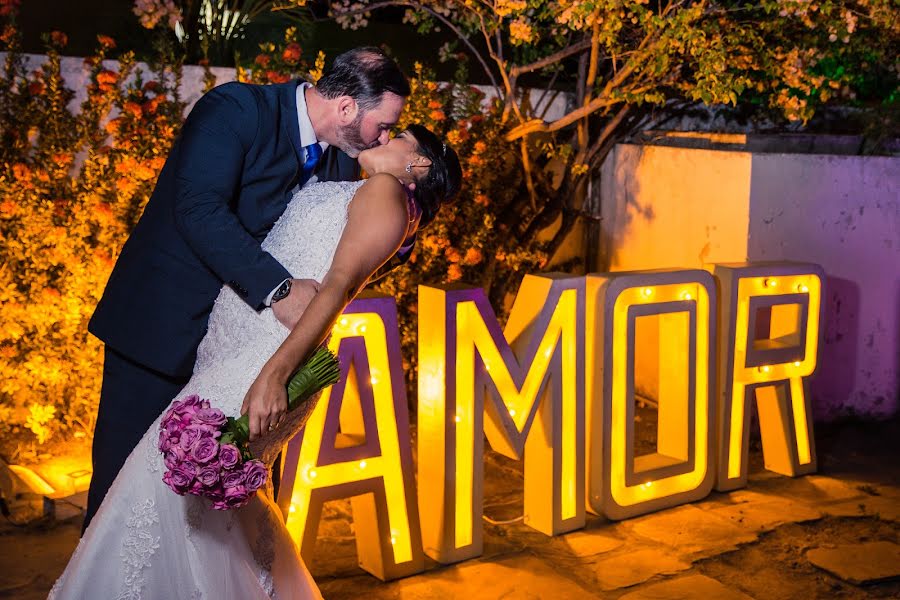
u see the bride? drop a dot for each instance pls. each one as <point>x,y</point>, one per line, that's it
<point>146,541</point>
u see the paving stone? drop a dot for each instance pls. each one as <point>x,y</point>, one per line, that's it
<point>868,562</point>
<point>522,576</point>
<point>690,587</point>
<point>767,514</point>
<point>637,566</point>
<point>882,507</point>
<point>693,531</point>
<point>590,543</point>
<point>812,488</point>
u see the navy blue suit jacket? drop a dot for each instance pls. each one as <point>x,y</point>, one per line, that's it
<point>228,178</point>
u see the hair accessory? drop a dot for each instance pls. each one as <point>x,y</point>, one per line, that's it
<point>409,168</point>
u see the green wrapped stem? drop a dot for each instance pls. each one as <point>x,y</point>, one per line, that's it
<point>320,371</point>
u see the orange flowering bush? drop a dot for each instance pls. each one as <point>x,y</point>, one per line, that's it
<point>72,185</point>
<point>279,63</point>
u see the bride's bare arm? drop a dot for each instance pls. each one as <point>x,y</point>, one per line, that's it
<point>376,226</point>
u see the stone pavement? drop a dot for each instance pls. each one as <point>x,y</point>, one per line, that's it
<point>829,535</point>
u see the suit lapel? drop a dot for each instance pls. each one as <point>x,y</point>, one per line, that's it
<point>289,120</point>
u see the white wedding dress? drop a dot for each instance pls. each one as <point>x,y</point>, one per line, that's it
<point>148,543</point>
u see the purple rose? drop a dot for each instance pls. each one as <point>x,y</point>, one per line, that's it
<point>229,455</point>
<point>255,474</point>
<point>174,427</point>
<point>233,479</point>
<point>177,480</point>
<point>236,497</point>
<point>208,476</point>
<point>164,443</point>
<point>204,430</point>
<point>217,494</point>
<point>205,450</point>
<point>189,468</point>
<point>188,404</point>
<point>168,420</point>
<point>211,416</point>
<point>174,456</point>
<point>189,437</point>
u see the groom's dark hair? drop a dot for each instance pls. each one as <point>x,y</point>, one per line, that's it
<point>364,74</point>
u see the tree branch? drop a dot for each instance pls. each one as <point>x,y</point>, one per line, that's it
<point>553,58</point>
<point>462,36</point>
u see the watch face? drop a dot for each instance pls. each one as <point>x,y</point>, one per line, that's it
<point>283,290</point>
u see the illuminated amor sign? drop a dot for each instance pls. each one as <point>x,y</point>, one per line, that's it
<point>556,389</point>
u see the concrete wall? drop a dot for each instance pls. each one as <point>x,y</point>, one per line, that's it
<point>549,106</point>
<point>683,207</point>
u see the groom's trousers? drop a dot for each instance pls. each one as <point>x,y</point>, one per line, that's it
<point>131,398</point>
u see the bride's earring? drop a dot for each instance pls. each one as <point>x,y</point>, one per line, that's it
<point>409,168</point>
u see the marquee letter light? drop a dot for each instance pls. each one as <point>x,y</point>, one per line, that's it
<point>770,321</point>
<point>683,306</point>
<point>356,444</point>
<point>527,380</point>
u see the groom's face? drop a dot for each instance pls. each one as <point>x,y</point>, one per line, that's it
<point>371,128</point>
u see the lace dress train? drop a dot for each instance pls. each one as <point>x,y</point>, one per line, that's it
<point>146,542</point>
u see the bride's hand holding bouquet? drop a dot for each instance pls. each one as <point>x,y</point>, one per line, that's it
<point>208,454</point>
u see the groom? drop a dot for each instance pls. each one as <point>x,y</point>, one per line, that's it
<point>243,151</point>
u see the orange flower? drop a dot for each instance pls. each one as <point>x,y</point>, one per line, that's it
<point>151,105</point>
<point>112,128</point>
<point>437,115</point>
<point>59,38</point>
<point>21,171</point>
<point>480,147</point>
<point>106,41</point>
<point>144,172</point>
<point>276,77</point>
<point>435,104</point>
<point>8,209</point>
<point>475,160</point>
<point>473,256</point>
<point>482,199</point>
<point>151,86</point>
<point>291,54</point>
<point>62,159</point>
<point>125,166</point>
<point>36,88</point>
<point>454,273</point>
<point>263,60</point>
<point>103,256</point>
<point>134,108</point>
<point>9,32</point>
<point>453,255</point>
<point>107,80</point>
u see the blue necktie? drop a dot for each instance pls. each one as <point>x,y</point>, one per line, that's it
<point>313,154</point>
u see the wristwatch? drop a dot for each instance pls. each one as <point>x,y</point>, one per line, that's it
<point>283,290</point>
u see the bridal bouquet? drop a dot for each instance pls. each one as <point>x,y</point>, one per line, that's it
<point>208,454</point>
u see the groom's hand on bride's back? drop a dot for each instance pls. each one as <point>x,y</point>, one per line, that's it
<point>288,309</point>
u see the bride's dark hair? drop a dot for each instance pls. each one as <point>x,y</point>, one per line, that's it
<point>442,182</point>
